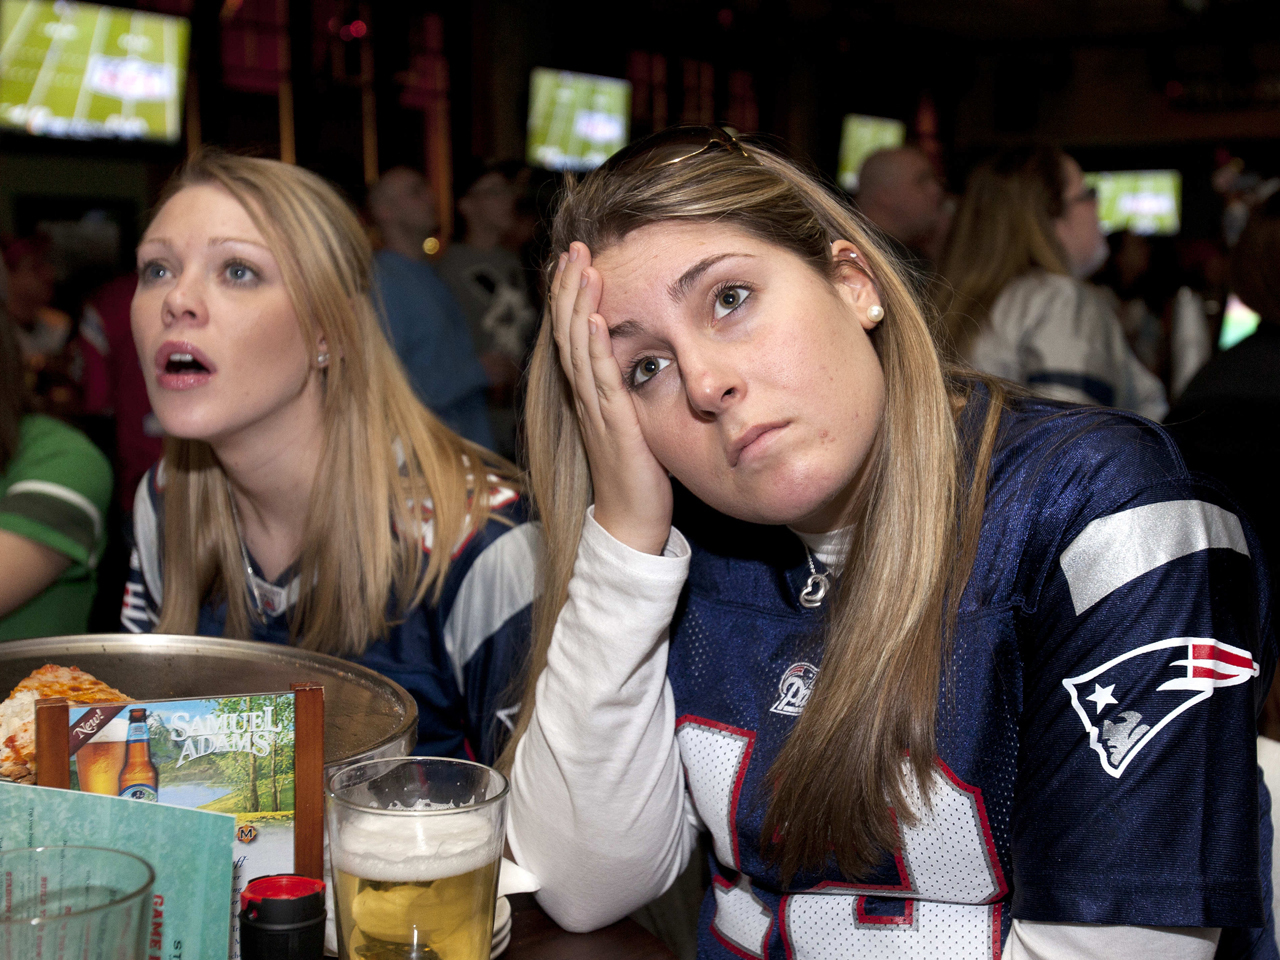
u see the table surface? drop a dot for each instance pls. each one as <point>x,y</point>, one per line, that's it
<point>534,936</point>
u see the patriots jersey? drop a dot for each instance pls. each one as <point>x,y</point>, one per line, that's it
<point>1096,722</point>
<point>459,657</point>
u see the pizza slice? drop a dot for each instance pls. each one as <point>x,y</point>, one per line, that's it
<point>18,713</point>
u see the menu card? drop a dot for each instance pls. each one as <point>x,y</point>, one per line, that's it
<point>186,848</point>
<point>231,755</point>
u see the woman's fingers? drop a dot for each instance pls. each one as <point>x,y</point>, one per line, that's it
<point>581,342</point>
<point>604,367</point>
<point>559,313</point>
<point>570,312</point>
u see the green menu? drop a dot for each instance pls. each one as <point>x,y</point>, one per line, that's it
<point>186,848</point>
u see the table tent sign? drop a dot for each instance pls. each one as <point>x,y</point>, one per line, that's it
<point>186,848</point>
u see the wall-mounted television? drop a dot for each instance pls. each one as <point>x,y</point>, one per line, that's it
<point>1140,201</point>
<point>861,137</point>
<point>576,120</point>
<point>85,71</point>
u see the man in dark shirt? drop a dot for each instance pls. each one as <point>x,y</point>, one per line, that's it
<point>1227,421</point>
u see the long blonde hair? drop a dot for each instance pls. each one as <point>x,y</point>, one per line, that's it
<point>1002,229</point>
<point>385,456</point>
<point>876,694</point>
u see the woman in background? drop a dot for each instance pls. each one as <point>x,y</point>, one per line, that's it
<point>1010,287</point>
<point>54,489</point>
<point>912,650</point>
<point>305,495</point>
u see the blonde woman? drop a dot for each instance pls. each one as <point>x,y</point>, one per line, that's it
<point>912,649</point>
<point>1011,293</point>
<point>305,495</point>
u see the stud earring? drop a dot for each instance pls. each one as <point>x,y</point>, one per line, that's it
<point>875,313</point>
<point>322,359</point>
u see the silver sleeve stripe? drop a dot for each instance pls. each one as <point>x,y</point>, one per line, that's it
<point>1113,550</point>
<point>499,584</point>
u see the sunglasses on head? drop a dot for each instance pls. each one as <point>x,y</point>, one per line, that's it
<point>670,146</point>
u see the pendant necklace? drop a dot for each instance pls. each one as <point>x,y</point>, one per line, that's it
<point>248,567</point>
<point>819,583</point>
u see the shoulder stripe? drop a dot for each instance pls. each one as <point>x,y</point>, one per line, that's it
<point>53,522</point>
<point>62,493</point>
<point>1113,550</point>
<point>146,536</point>
<point>501,582</point>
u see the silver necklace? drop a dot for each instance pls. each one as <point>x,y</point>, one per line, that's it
<point>814,591</point>
<point>244,556</point>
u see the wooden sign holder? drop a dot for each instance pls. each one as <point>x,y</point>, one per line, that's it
<point>53,767</point>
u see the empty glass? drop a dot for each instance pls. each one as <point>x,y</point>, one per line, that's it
<point>74,903</point>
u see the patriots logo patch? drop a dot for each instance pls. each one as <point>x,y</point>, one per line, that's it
<point>1120,711</point>
<point>794,689</point>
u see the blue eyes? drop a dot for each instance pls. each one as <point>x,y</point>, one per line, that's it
<point>239,273</point>
<point>234,272</point>
<point>647,368</point>
<point>151,272</point>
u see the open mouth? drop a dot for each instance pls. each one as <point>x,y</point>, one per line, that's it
<point>180,363</point>
<point>182,366</point>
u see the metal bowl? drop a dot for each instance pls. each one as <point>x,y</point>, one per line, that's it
<point>365,715</point>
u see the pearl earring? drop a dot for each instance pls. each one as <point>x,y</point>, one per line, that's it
<point>322,359</point>
<point>875,313</point>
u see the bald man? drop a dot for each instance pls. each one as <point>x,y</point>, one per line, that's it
<point>899,192</point>
<point>424,322</point>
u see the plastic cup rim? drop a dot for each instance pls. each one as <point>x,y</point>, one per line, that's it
<point>444,811</point>
<point>58,918</point>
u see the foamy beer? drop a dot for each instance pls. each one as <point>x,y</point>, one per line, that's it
<point>415,845</point>
<point>99,761</point>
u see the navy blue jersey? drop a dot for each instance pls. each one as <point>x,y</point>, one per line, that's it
<point>1096,738</point>
<point>459,657</point>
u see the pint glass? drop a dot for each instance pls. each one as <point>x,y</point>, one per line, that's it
<point>74,903</point>
<point>415,845</point>
<point>98,762</point>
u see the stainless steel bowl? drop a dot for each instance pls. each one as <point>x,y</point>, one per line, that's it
<point>365,714</point>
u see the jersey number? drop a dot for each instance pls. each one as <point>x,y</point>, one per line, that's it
<point>949,874</point>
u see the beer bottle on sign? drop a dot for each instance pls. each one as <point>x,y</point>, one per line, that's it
<point>139,778</point>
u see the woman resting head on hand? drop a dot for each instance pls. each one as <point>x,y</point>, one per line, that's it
<point>306,496</point>
<point>865,632</point>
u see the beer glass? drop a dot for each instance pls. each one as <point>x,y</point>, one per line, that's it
<point>415,844</point>
<point>74,903</point>
<point>99,761</point>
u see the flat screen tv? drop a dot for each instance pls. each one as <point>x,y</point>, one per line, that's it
<point>85,71</point>
<point>861,137</point>
<point>576,120</point>
<point>1140,201</point>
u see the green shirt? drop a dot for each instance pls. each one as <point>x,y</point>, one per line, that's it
<point>55,492</point>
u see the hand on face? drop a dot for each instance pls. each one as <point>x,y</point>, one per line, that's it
<point>749,373</point>
<point>633,499</point>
